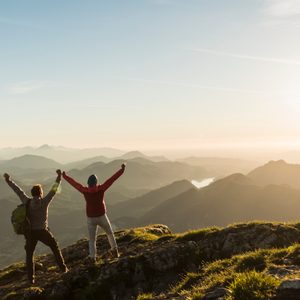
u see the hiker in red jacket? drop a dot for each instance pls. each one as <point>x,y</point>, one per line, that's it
<point>96,210</point>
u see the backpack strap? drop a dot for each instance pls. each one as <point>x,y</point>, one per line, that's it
<point>28,223</point>
<point>27,208</point>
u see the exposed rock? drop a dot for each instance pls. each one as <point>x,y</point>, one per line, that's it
<point>281,272</point>
<point>247,237</point>
<point>293,284</point>
<point>217,294</point>
<point>288,290</point>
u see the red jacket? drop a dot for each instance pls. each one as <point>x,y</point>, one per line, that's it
<point>94,196</point>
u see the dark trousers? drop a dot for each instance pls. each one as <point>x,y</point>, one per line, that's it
<point>46,237</point>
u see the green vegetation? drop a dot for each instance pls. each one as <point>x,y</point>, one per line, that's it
<point>52,268</point>
<point>195,235</point>
<point>186,282</point>
<point>34,290</point>
<point>145,296</point>
<point>256,260</point>
<point>12,270</point>
<point>245,276</point>
<point>152,255</point>
<point>139,235</point>
<point>253,286</point>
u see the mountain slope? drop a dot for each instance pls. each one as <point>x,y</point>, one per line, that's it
<point>138,154</point>
<point>221,165</point>
<point>58,153</point>
<point>30,162</point>
<point>140,205</point>
<point>232,199</point>
<point>86,162</point>
<point>277,172</point>
<point>161,265</point>
<point>142,173</point>
<point>127,156</point>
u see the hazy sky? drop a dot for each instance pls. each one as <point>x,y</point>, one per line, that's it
<point>150,73</point>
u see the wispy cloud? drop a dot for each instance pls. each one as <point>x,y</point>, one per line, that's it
<point>281,12</point>
<point>282,8</point>
<point>218,88</point>
<point>102,106</point>
<point>248,57</point>
<point>197,86</point>
<point>26,87</point>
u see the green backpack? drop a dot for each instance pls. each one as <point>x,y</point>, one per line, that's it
<point>20,219</point>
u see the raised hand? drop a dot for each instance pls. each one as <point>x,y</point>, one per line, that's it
<point>6,176</point>
<point>58,172</point>
<point>123,166</point>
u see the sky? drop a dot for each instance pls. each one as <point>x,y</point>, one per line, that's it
<point>150,74</point>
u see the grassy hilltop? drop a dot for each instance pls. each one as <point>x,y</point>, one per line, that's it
<point>243,261</point>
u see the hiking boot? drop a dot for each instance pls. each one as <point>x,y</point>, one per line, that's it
<point>113,253</point>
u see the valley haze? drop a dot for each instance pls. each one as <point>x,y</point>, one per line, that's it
<point>211,191</point>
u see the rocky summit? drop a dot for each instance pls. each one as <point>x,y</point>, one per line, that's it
<point>251,261</point>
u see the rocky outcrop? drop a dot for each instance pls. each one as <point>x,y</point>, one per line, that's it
<point>246,237</point>
<point>152,260</point>
<point>217,294</point>
<point>288,290</point>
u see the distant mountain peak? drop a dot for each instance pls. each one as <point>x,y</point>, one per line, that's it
<point>140,155</point>
<point>45,147</point>
<point>277,172</point>
<point>277,162</point>
<point>237,178</point>
<point>31,161</point>
<point>133,154</point>
<point>29,156</point>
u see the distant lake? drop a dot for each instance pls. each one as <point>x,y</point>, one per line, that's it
<point>203,183</point>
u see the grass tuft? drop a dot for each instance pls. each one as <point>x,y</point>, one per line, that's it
<point>195,235</point>
<point>256,260</point>
<point>253,285</point>
<point>145,296</point>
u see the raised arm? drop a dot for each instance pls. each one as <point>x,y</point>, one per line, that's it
<point>21,194</point>
<point>74,183</point>
<point>112,179</point>
<point>54,187</point>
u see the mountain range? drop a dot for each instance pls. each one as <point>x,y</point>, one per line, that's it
<point>232,199</point>
<point>59,153</point>
<point>141,173</point>
<point>156,192</point>
<point>222,165</point>
<point>67,212</point>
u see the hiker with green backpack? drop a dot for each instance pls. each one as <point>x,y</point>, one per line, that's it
<point>34,222</point>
